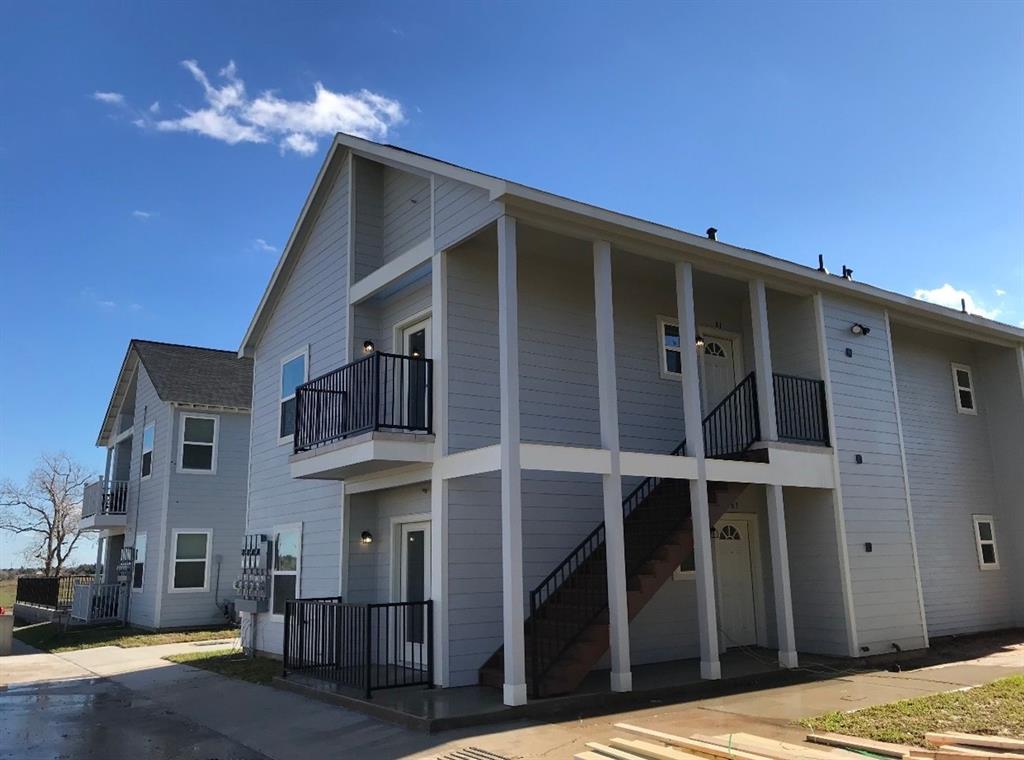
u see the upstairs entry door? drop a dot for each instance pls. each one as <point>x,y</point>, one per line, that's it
<point>718,368</point>
<point>416,344</point>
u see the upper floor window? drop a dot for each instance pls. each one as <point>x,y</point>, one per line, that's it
<point>139,563</point>
<point>985,538</point>
<point>285,570</point>
<point>671,349</point>
<point>963,388</point>
<point>198,451</point>
<point>294,372</point>
<point>148,435</point>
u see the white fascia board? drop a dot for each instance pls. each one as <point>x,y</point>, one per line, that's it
<point>658,465</point>
<point>538,456</point>
<point>394,478</point>
<point>471,462</point>
<point>361,453</point>
<point>383,276</point>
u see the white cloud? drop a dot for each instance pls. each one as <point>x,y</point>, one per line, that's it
<point>231,115</point>
<point>1000,292</point>
<point>111,98</point>
<point>949,296</point>
<point>143,214</point>
<point>260,244</point>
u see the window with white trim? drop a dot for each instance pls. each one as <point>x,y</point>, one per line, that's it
<point>148,435</point>
<point>284,571</point>
<point>671,348</point>
<point>294,372</point>
<point>963,389</point>
<point>985,537</point>
<point>139,563</point>
<point>198,451</point>
<point>190,563</point>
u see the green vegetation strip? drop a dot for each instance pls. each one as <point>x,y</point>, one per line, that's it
<point>50,638</point>
<point>996,708</point>
<point>233,663</point>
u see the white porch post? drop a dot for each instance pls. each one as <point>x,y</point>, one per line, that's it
<point>708,616</point>
<point>780,577</point>
<point>439,486</point>
<point>106,469</point>
<point>615,538</point>
<point>763,362</point>
<point>511,470</point>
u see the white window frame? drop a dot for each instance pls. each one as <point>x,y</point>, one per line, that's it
<point>662,363</point>
<point>969,388</point>
<point>142,459</point>
<point>303,352</point>
<point>174,560</point>
<point>181,443</point>
<point>298,565</point>
<point>979,542</point>
<point>136,561</point>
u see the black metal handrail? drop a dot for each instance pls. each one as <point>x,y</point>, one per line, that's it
<point>801,409</point>
<point>381,391</point>
<point>730,429</point>
<point>368,647</point>
<point>56,592</point>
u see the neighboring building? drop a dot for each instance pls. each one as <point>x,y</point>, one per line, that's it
<point>458,378</point>
<point>170,509</point>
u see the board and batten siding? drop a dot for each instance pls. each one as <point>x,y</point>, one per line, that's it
<point>875,510</point>
<point>952,477</point>
<point>311,311</point>
<point>147,513</point>
<point>207,502</point>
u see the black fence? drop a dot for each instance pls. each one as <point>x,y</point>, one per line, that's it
<point>367,647</point>
<point>56,592</point>
<point>733,426</point>
<point>379,392</point>
<point>801,410</point>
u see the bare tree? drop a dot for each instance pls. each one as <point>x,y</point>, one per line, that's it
<point>47,509</point>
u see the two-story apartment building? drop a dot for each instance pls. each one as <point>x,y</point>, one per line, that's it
<point>170,508</point>
<point>503,437</point>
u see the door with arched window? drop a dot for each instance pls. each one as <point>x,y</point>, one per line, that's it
<point>719,367</point>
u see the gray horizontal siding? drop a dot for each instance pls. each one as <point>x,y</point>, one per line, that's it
<point>460,210</point>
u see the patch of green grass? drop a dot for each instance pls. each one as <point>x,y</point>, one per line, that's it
<point>232,663</point>
<point>50,638</point>
<point>995,708</point>
<point>8,589</point>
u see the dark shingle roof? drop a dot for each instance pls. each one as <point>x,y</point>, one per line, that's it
<point>192,375</point>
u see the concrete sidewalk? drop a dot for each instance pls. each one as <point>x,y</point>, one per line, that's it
<point>258,721</point>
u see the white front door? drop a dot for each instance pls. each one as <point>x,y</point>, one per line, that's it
<point>416,344</point>
<point>737,619</point>
<point>717,369</point>
<point>413,585</point>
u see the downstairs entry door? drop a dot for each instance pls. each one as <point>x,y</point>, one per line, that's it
<point>414,586</point>
<point>736,582</point>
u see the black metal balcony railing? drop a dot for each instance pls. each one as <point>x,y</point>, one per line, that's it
<point>379,392</point>
<point>363,646</point>
<point>55,592</point>
<point>801,410</point>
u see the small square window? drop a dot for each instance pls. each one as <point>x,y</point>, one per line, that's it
<point>963,389</point>
<point>985,537</point>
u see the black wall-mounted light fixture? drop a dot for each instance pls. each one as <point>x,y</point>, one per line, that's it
<point>858,329</point>
<point>368,346</point>
<point>699,341</point>
<point>366,537</point>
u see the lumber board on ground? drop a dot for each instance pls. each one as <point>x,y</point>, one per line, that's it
<point>775,749</point>
<point>941,738</point>
<point>706,749</point>
<point>611,752</point>
<point>857,743</point>
<point>960,752</point>
<point>588,756</point>
<point>652,751</point>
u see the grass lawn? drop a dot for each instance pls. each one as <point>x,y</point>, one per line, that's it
<point>233,663</point>
<point>995,708</point>
<point>7,591</point>
<point>49,638</point>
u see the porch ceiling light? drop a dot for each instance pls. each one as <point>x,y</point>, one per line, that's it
<point>858,329</point>
<point>367,346</point>
<point>366,537</point>
<point>699,340</point>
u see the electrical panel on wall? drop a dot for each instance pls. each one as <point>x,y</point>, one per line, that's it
<point>253,584</point>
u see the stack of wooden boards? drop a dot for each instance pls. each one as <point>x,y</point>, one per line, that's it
<point>658,745</point>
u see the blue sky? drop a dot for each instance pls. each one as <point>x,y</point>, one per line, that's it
<point>888,137</point>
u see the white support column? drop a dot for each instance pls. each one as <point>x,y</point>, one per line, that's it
<point>615,536</point>
<point>780,577</point>
<point>511,470</point>
<point>106,470</point>
<point>439,486</point>
<point>763,362</point>
<point>706,612</point>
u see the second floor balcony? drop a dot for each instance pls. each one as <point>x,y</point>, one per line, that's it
<point>105,504</point>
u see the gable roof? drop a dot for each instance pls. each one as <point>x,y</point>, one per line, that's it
<point>616,226</point>
<point>180,374</point>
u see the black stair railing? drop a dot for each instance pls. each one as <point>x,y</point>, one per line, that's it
<point>378,392</point>
<point>579,581</point>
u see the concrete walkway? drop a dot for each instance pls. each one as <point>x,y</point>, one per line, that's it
<point>102,690</point>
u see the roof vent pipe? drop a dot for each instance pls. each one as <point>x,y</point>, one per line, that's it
<point>712,233</point>
<point>847,273</point>
<point>963,305</point>
<point>821,264</point>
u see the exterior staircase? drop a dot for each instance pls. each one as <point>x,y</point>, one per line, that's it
<point>567,631</point>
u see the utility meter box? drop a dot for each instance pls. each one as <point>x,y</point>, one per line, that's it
<point>253,584</point>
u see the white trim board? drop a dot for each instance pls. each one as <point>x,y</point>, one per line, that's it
<point>391,272</point>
